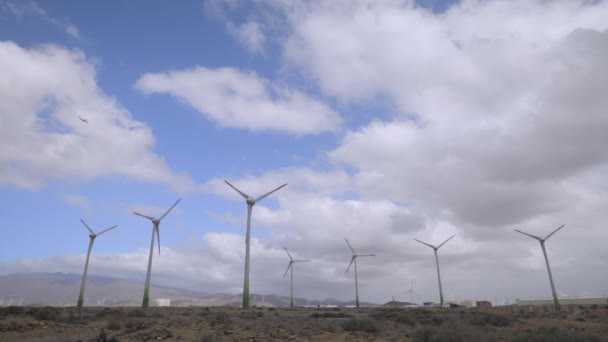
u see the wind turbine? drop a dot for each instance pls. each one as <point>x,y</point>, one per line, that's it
<point>290,267</point>
<point>92,237</point>
<point>435,248</point>
<point>354,259</point>
<point>250,203</point>
<point>155,229</point>
<point>542,245</point>
<point>411,292</point>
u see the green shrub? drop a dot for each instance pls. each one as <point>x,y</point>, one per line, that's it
<point>453,332</point>
<point>211,337</point>
<point>113,325</point>
<point>137,313</point>
<point>362,324</point>
<point>12,310</point>
<point>487,318</point>
<point>555,334</point>
<point>328,314</point>
<point>406,318</point>
<point>46,313</point>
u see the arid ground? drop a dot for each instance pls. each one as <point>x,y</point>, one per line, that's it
<point>203,324</point>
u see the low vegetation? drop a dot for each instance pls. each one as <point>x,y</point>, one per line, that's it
<point>286,324</point>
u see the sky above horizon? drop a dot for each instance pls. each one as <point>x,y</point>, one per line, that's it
<point>389,120</point>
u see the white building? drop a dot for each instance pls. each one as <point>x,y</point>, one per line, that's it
<point>163,301</point>
<point>565,301</point>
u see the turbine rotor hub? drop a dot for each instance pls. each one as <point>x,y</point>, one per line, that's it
<point>156,221</point>
<point>250,201</point>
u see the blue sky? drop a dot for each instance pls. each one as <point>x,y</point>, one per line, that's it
<point>390,120</point>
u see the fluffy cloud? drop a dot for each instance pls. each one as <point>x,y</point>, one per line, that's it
<point>235,99</point>
<point>43,92</point>
<point>249,34</point>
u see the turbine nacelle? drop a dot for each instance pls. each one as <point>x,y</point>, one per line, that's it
<point>541,240</point>
<point>92,234</point>
<point>250,201</point>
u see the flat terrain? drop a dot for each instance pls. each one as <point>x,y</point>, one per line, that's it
<point>300,324</point>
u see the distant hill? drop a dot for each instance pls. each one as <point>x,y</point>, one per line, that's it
<point>61,289</point>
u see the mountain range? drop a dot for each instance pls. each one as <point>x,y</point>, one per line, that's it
<point>61,289</point>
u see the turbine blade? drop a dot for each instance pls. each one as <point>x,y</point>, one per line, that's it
<point>288,267</point>
<point>530,235</point>
<point>167,212</point>
<point>424,243</point>
<point>86,225</point>
<point>365,255</point>
<point>107,230</point>
<point>290,258</point>
<point>267,194</point>
<point>144,216</point>
<point>351,263</point>
<point>237,190</point>
<point>555,231</point>
<point>158,238</point>
<point>445,241</point>
<point>301,260</point>
<point>349,246</point>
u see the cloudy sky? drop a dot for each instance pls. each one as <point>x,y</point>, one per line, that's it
<point>390,120</point>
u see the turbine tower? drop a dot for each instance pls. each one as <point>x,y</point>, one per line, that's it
<point>290,267</point>
<point>92,237</point>
<point>155,229</point>
<point>354,259</point>
<point>542,245</point>
<point>435,248</point>
<point>411,292</point>
<point>250,203</point>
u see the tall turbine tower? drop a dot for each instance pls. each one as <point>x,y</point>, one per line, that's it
<point>250,203</point>
<point>155,229</point>
<point>291,262</point>
<point>92,237</point>
<point>542,245</point>
<point>354,259</point>
<point>437,262</point>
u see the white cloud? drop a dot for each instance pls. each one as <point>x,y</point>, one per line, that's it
<point>76,201</point>
<point>250,35</point>
<point>243,100</point>
<point>44,91</point>
<point>26,8</point>
<point>72,31</point>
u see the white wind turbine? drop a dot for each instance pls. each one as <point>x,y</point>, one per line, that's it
<point>411,292</point>
<point>354,259</point>
<point>250,203</point>
<point>542,245</point>
<point>92,237</point>
<point>155,229</point>
<point>435,248</point>
<point>290,267</point>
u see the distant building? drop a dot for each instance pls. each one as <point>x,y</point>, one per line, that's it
<point>163,302</point>
<point>565,301</point>
<point>467,303</point>
<point>484,304</point>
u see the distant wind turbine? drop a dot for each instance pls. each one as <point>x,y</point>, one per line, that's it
<point>411,292</point>
<point>437,262</point>
<point>290,267</point>
<point>155,229</point>
<point>83,119</point>
<point>542,245</point>
<point>354,259</point>
<point>92,237</point>
<point>250,203</point>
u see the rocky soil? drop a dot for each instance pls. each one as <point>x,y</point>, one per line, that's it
<point>299,324</point>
